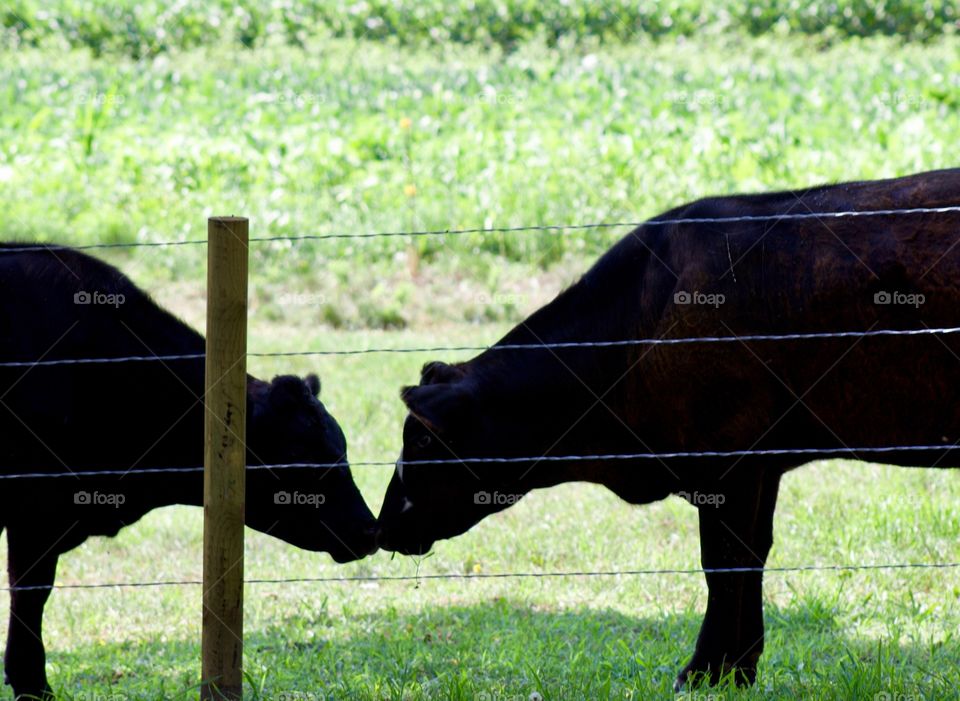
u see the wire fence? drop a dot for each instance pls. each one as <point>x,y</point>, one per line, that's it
<point>745,338</point>
<point>679,221</point>
<point>518,460</point>
<point>660,222</point>
<point>506,575</point>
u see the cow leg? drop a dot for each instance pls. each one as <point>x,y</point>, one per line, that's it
<point>736,533</point>
<point>31,563</point>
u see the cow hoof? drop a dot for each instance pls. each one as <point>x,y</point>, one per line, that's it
<point>44,693</point>
<point>704,673</point>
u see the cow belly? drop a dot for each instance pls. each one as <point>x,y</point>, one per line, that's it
<point>868,392</point>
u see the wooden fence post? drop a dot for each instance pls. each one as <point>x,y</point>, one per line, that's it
<point>225,458</point>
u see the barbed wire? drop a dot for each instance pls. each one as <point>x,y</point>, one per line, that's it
<point>626,342</point>
<point>511,229</point>
<point>503,575</point>
<point>598,457</point>
<point>94,361</point>
<point>29,248</point>
<point>632,224</point>
<point>509,346</point>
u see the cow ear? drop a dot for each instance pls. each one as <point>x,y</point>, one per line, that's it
<point>288,391</point>
<point>436,372</point>
<point>313,384</point>
<point>438,406</point>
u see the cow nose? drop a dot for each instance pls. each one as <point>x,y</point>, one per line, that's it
<point>369,535</point>
<point>379,537</point>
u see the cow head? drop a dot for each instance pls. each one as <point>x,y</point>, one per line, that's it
<point>314,509</point>
<point>455,416</point>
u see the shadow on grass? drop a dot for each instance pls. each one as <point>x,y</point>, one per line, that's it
<point>505,650</point>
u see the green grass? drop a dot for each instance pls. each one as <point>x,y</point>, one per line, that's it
<point>314,139</point>
<point>155,26</point>
<point>344,137</point>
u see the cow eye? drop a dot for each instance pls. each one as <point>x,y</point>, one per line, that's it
<point>424,441</point>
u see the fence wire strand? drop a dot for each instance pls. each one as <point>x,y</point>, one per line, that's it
<point>30,248</point>
<point>765,452</point>
<point>790,216</point>
<point>505,575</point>
<point>508,346</point>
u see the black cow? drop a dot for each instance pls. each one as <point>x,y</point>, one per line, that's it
<point>61,304</point>
<point>702,279</point>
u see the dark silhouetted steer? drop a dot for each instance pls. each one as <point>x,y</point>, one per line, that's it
<point>61,304</point>
<point>701,279</point>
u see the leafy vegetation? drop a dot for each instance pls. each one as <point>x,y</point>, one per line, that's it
<point>147,28</point>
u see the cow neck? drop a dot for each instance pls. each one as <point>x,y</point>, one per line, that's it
<point>551,390</point>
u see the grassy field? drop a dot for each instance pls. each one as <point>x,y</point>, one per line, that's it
<point>325,135</point>
<point>342,137</point>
